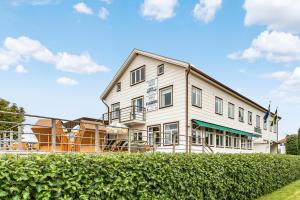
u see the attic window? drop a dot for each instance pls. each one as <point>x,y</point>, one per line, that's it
<point>119,87</point>
<point>138,75</point>
<point>160,69</point>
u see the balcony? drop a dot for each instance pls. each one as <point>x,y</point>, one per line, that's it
<point>132,115</point>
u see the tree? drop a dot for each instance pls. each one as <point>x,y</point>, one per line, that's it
<point>292,144</point>
<point>299,141</point>
<point>10,107</point>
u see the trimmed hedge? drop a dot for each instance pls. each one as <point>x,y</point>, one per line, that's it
<point>145,176</point>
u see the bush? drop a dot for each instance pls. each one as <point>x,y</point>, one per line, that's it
<point>292,144</point>
<point>145,176</point>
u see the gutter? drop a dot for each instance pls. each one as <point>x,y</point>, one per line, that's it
<point>187,108</point>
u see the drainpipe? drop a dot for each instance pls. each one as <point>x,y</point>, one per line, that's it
<point>187,108</point>
<point>107,109</point>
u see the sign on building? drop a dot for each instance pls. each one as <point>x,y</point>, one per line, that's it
<point>152,95</point>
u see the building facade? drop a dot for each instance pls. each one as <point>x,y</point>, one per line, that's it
<point>172,104</point>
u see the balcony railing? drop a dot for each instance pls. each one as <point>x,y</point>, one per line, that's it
<point>126,115</point>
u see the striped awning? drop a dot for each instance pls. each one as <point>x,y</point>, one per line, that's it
<point>224,128</point>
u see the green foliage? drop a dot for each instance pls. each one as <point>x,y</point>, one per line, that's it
<point>145,176</point>
<point>299,141</point>
<point>292,144</point>
<point>7,106</point>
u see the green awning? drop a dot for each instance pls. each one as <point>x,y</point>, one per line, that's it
<point>223,128</point>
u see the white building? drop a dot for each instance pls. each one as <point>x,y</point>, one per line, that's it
<point>170,101</point>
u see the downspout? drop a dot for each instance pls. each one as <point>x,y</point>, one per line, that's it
<point>187,108</point>
<point>106,107</point>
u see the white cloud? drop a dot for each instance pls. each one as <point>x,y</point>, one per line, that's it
<point>103,13</point>
<point>66,81</point>
<point>158,10</point>
<point>282,15</point>
<point>107,1</point>
<point>34,2</point>
<point>205,10</point>
<point>273,46</point>
<point>83,8</point>
<point>20,50</point>
<point>279,75</point>
<point>21,69</point>
<point>289,89</point>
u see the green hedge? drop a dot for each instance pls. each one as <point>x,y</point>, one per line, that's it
<point>145,176</point>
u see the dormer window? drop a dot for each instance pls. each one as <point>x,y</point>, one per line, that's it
<point>119,87</point>
<point>160,69</point>
<point>137,75</point>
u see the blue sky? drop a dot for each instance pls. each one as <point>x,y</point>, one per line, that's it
<point>251,46</point>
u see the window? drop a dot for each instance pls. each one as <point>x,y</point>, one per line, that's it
<point>115,111</point>
<point>228,140</point>
<point>209,136</point>
<point>137,105</point>
<point>196,135</point>
<point>154,134</point>
<point>257,121</point>
<point>236,141</point>
<point>119,87</point>
<point>249,143</point>
<point>219,138</point>
<point>219,106</point>
<point>231,110</point>
<point>166,97</point>
<point>265,125</point>
<point>171,133</point>
<point>196,96</point>
<point>243,143</point>
<point>137,136</point>
<point>249,118</point>
<point>241,114</point>
<point>160,69</point>
<point>138,75</point>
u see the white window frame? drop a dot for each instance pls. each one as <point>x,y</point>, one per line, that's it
<point>138,136</point>
<point>231,109</point>
<point>196,96</point>
<point>219,136</point>
<point>241,114</point>
<point>257,121</point>
<point>162,66</point>
<point>161,103</point>
<point>139,73</point>
<point>219,106</point>
<point>138,109</point>
<point>171,133</point>
<point>229,137</point>
<point>250,117</point>
<point>209,137</point>
<point>115,111</point>
<point>196,135</point>
<point>157,136</point>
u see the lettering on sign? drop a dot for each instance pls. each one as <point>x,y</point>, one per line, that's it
<point>152,96</point>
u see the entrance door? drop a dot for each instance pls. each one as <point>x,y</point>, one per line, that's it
<point>154,135</point>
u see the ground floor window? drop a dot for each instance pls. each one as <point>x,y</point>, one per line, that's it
<point>209,136</point>
<point>196,135</point>
<point>219,138</point>
<point>138,136</point>
<point>171,133</point>
<point>154,135</point>
<point>243,142</point>
<point>228,140</point>
<point>236,141</point>
<point>249,143</point>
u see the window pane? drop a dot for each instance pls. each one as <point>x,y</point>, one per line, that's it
<point>133,77</point>
<point>143,74</point>
<point>166,97</point>
<point>138,75</point>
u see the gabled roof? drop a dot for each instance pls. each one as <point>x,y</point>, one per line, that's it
<point>184,64</point>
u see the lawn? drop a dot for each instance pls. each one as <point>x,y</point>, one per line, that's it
<point>289,192</point>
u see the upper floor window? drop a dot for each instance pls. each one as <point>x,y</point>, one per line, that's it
<point>249,118</point>
<point>219,106</point>
<point>166,97</point>
<point>119,87</point>
<point>241,114</point>
<point>137,104</point>
<point>196,96</point>
<point>115,110</point>
<point>160,69</point>
<point>137,75</point>
<point>257,121</point>
<point>231,110</point>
